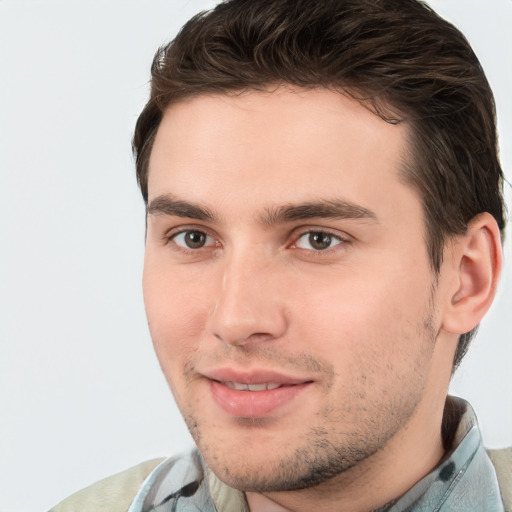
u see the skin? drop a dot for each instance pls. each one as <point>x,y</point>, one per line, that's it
<point>362,321</point>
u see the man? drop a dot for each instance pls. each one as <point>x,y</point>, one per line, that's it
<point>324,219</point>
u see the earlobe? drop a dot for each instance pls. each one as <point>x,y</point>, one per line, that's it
<point>477,261</point>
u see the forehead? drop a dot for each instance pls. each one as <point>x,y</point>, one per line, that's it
<point>276,147</point>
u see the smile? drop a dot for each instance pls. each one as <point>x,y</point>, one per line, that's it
<point>256,400</point>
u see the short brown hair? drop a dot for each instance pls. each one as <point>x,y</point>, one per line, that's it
<point>397,57</point>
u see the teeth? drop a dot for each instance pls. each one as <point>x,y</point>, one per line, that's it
<point>257,387</point>
<point>252,387</point>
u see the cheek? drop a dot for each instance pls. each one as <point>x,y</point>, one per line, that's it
<point>176,309</point>
<point>377,317</point>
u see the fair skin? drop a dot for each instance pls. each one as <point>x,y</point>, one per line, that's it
<point>291,300</point>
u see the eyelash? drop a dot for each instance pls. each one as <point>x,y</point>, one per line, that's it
<point>170,238</point>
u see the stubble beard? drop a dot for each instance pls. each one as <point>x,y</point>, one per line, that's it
<point>323,453</point>
<point>317,459</point>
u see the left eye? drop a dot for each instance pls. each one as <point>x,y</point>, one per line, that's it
<point>317,241</point>
<point>193,239</point>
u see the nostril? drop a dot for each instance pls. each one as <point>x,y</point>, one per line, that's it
<point>241,341</point>
<point>261,336</point>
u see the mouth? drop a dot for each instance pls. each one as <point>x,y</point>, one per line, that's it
<point>254,395</point>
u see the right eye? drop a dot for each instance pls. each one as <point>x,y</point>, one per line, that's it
<point>192,239</point>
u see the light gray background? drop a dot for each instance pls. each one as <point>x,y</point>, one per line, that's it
<point>81,394</point>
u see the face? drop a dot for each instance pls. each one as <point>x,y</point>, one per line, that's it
<point>287,283</point>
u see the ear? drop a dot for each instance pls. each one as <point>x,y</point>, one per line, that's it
<point>476,260</point>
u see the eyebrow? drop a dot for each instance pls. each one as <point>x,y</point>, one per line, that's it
<point>169,205</point>
<point>323,209</point>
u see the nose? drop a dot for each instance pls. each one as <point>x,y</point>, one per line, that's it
<point>249,305</point>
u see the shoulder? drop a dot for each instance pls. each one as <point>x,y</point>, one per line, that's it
<point>112,494</point>
<point>502,461</point>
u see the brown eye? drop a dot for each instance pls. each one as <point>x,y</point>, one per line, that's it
<point>320,241</point>
<point>192,239</point>
<point>317,241</point>
<point>195,239</point>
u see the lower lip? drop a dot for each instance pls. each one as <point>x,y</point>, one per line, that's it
<point>253,404</point>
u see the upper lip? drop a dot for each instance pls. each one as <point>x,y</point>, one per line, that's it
<point>255,376</point>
